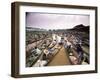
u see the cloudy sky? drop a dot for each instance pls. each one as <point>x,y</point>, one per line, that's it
<point>55,21</point>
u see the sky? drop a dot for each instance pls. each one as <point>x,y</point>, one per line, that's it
<point>55,21</point>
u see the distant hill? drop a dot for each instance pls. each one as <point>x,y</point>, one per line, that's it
<point>81,28</point>
<point>34,29</point>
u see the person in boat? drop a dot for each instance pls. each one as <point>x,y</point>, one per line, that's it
<point>51,51</point>
<point>69,47</point>
<point>36,51</point>
<point>65,44</point>
<point>80,52</point>
<point>54,42</point>
<point>46,52</point>
<point>73,59</point>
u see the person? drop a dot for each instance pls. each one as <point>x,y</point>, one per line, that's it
<point>58,39</point>
<point>80,52</point>
<point>54,42</point>
<point>65,44</point>
<point>36,51</point>
<point>80,42</point>
<point>44,56</point>
<point>54,36</point>
<point>62,40</point>
<point>50,52</point>
<point>73,59</point>
<point>41,63</point>
<point>69,47</point>
<point>46,52</point>
<point>44,44</point>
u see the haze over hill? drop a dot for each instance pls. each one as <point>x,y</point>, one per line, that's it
<point>79,27</point>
